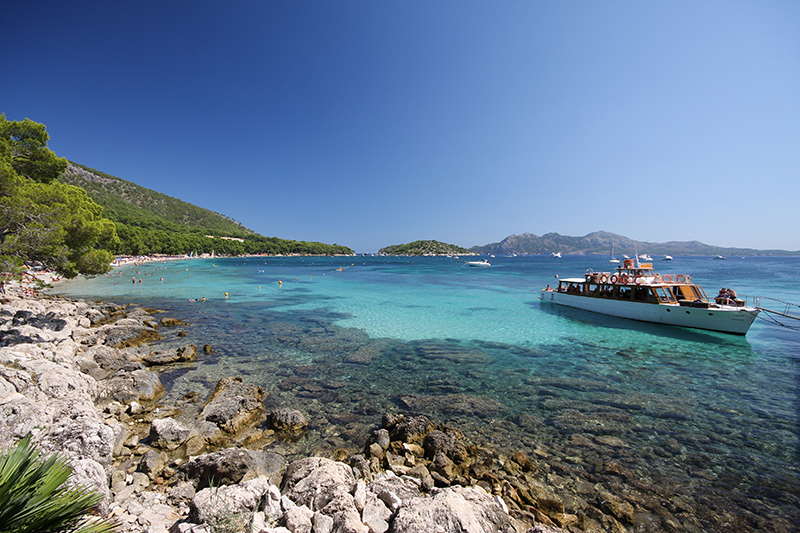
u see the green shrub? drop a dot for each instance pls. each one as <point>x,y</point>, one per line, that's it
<point>35,499</point>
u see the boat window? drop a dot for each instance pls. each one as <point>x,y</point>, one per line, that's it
<point>684,292</point>
<point>664,295</point>
<point>640,293</point>
<point>697,294</point>
<point>624,293</point>
<point>700,291</point>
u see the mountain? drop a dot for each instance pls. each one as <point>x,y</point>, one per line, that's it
<point>601,242</point>
<point>149,222</point>
<point>425,248</point>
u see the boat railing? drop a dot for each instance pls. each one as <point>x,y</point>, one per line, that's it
<point>777,306</point>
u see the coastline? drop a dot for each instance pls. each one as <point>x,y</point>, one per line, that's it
<point>81,378</point>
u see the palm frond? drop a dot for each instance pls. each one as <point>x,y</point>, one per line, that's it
<point>35,499</point>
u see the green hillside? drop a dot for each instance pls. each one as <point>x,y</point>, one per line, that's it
<point>149,222</point>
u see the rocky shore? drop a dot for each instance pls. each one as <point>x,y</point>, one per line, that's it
<point>83,380</point>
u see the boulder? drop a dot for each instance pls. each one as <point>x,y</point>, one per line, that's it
<point>391,484</point>
<point>132,383</point>
<point>449,444</point>
<point>286,420</point>
<point>316,481</point>
<point>77,432</point>
<point>21,414</point>
<point>234,405</point>
<point>375,514</point>
<point>230,466</point>
<point>58,382</point>
<point>412,430</point>
<point>183,354</point>
<point>167,433</point>
<point>453,510</point>
<point>215,506</point>
<point>108,359</point>
<point>298,519</point>
<point>126,332</point>
<point>90,473</point>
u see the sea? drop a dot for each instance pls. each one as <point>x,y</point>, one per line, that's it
<point>700,430</point>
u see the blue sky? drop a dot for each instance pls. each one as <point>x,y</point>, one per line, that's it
<point>370,123</point>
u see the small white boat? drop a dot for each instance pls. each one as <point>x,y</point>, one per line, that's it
<point>613,258</point>
<point>637,292</point>
<point>555,255</point>
<point>667,258</point>
<point>481,263</point>
<point>645,257</point>
<point>720,257</point>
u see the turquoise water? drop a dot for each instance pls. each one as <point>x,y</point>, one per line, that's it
<point>696,428</point>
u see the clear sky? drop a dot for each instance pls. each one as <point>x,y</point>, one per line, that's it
<point>370,123</point>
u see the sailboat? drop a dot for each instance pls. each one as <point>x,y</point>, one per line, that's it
<point>613,259</point>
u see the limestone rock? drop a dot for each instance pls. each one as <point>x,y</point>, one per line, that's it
<point>215,504</point>
<point>230,466</point>
<point>132,383</point>
<point>315,481</point>
<point>234,405</point>
<point>167,433</point>
<point>453,510</point>
<point>183,354</point>
<point>78,432</point>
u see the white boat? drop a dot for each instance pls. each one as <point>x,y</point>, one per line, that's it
<point>645,257</point>
<point>556,255</point>
<point>637,292</point>
<point>481,263</point>
<point>667,258</point>
<point>613,258</point>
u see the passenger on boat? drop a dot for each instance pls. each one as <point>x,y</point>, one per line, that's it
<point>726,297</point>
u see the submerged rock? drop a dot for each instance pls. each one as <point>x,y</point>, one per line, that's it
<point>287,420</point>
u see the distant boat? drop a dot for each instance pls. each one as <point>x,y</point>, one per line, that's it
<point>719,257</point>
<point>481,263</point>
<point>667,258</point>
<point>613,259</point>
<point>645,257</point>
<point>555,255</point>
<point>626,256</point>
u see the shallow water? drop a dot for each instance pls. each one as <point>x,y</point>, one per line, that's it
<point>701,427</point>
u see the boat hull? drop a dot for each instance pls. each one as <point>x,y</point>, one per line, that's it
<point>728,319</point>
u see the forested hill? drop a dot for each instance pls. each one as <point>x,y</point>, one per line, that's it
<point>602,242</point>
<point>149,222</point>
<point>425,248</point>
<point>126,202</point>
